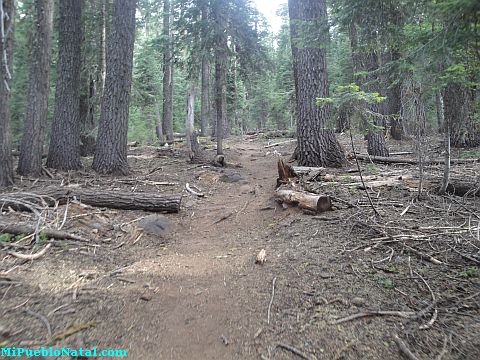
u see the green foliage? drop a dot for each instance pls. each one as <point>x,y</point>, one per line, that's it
<point>471,272</point>
<point>6,237</point>
<point>387,283</point>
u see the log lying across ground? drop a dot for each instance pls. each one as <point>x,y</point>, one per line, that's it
<point>304,200</point>
<point>401,160</point>
<point>98,198</point>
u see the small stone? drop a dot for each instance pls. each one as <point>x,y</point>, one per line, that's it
<point>358,301</point>
<point>231,178</point>
<point>246,189</point>
<point>156,225</point>
<point>325,275</point>
<point>146,297</point>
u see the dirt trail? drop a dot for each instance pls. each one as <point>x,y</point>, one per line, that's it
<point>192,314</point>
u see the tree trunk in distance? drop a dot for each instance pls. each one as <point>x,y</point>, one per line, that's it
<point>111,151</point>
<point>205,100</point>
<point>167,74</point>
<point>189,121</point>
<point>36,110</point>
<point>317,146</point>
<point>221,54</point>
<point>7,7</point>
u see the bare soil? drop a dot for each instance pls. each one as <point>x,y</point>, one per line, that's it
<point>197,293</point>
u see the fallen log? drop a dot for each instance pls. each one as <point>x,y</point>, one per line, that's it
<point>308,201</point>
<point>99,198</point>
<point>279,143</point>
<point>400,160</point>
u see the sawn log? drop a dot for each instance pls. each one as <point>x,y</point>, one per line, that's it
<point>98,198</point>
<point>308,201</point>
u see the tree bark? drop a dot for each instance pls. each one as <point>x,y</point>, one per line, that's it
<point>189,121</point>
<point>205,100</point>
<point>7,16</point>
<point>439,110</point>
<point>99,198</point>
<point>36,111</point>
<point>221,57</point>
<point>167,74</point>
<point>458,105</point>
<point>64,151</point>
<point>317,145</point>
<point>111,150</point>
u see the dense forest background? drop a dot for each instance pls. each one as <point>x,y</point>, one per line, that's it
<point>427,43</point>
<point>398,68</point>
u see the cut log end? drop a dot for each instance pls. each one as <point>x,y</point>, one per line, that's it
<point>307,201</point>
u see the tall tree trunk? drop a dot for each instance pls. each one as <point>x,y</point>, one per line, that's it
<point>205,80</point>
<point>7,16</point>
<point>459,115</point>
<point>393,103</point>
<point>158,125</point>
<point>111,151</point>
<point>439,110</point>
<point>368,61</point>
<point>64,151</point>
<point>36,111</point>
<point>190,119</point>
<point>167,74</point>
<point>317,146</point>
<point>221,57</point>
<point>205,100</point>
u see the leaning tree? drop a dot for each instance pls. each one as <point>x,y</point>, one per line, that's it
<point>317,145</point>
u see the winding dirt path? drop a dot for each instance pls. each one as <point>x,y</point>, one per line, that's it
<point>195,311</point>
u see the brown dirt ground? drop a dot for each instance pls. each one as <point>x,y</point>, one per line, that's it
<point>198,294</point>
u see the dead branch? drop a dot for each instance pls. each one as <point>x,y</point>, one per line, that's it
<point>404,349</point>
<point>280,143</point>
<point>294,351</point>
<point>32,256</point>
<point>389,160</point>
<point>43,319</point>
<point>422,255</point>
<point>403,314</point>
<point>18,229</point>
<point>198,193</point>
<point>271,300</point>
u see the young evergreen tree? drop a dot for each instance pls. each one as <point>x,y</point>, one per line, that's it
<point>64,151</point>
<point>317,145</point>
<point>7,16</point>
<point>111,150</point>
<point>36,110</point>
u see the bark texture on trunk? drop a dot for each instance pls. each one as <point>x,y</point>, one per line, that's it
<point>459,115</point>
<point>111,150</point>
<point>64,151</point>
<point>317,145</point>
<point>368,62</point>
<point>190,119</point>
<point>7,16</point>
<point>36,111</point>
<point>221,57</point>
<point>167,74</point>
<point>205,96</point>
<point>100,198</point>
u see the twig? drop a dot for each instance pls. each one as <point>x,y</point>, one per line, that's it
<point>271,300</point>
<point>422,255</point>
<point>32,256</point>
<point>294,351</point>
<point>280,143</point>
<point>444,349</point>
<point>71,331</point>
<point>403,314</point>
<point>404,349</point>
<point>243,208</point>
<point>27,229</point>
<point>223,218</point>
<point>360,173</point>
<point>193,192</point>
<point>43,319</point>
<point>434,301</point>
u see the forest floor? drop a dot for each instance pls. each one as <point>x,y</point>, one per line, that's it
<point>412,273</point>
